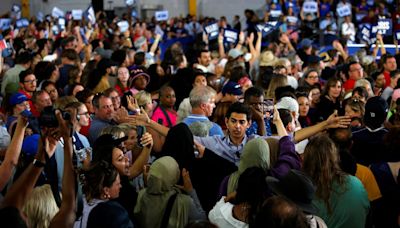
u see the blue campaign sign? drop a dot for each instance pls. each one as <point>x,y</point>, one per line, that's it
<point>268,28</point>
<point>212,31</point>
<point>161,15</point>
<point>231,36</point>
<point>5,23</point>
<point>366,32</point>
<point>89,15</point>
<point>397,35</point>
<point>22,23</point>
<point>16,11</point>
<point>310,7</point>
<point>343,11</point>
<point>384,27</point>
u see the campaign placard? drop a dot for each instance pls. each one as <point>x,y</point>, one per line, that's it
<point>89,15</point>
<point>162,15</point>
<point>16,11</point>
<point>310,7</point>
<point>5,23</point>
<point>268,28</point>
<point>123,26</point>
<point>56,12</point>
<point>77,14</point>
<point>343,11</point>
<point>22,23</point>
<point>231,36</point>
<point>384,27</point>
<point>212,31</point>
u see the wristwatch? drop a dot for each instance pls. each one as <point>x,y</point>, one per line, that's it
<point>38,163</point>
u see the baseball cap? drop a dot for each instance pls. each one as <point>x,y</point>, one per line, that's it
<point>296,186</point>
<point>232,88</point>
<point>17,98</point>
<point>305,43</point>
<point>376,110</point>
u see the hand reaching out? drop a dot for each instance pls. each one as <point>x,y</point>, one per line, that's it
<point>187,183</point>
<point>335,121</point>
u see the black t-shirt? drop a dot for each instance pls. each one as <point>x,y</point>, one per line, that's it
<point>109,214</point>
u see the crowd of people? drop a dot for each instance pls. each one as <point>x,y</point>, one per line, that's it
<point>107,127</point>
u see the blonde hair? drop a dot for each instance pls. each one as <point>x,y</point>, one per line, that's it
<point>64,101</point>
<point>40,208</point>
<point>126,127</point>
<point>143,98</point>
<point>115,131</point>
<point>277,80</point>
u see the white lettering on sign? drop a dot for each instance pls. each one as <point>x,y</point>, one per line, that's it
<point>310,7</point>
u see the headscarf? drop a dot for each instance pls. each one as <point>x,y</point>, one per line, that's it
<point>256,153</point>
<point>152,201</point>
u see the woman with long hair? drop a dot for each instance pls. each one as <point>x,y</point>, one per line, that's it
<point>277,80</point>
<point>340,199</point>
<point>110,147</point>
<point>331,99</point>
<point>101,184</point>
<point>122,82</point>
<point>250,194</point>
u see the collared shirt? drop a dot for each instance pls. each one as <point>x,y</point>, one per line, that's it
<point>223,146</point>
<point>96,127</point>
<point>214,130</point>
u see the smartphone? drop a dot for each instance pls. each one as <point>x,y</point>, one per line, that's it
<point>268,107</point>
<point>140,130</point>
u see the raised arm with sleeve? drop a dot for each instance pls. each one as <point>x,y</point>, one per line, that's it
<point>13,152</point>
<point>288,158</point>
<point>333,121</point>
<point>143,158</point>
<point>66,215</point>
<point>19,192</point>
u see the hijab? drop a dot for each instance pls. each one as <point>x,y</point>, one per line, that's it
<point>256,153</point>
<point>150,207</point>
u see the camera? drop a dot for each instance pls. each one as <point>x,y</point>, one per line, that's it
<point>48,117</point>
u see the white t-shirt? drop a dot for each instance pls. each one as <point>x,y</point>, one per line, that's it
<point>221,215</point>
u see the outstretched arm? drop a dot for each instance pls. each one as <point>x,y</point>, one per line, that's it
<point>13,152</point>
<point>334,121</point>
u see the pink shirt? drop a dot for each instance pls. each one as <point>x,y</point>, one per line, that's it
<point>158,116</point>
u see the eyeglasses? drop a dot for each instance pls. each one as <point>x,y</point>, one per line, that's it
<point>31,81</point>
<point>313,77</point>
